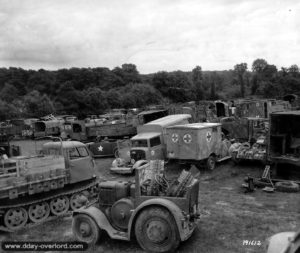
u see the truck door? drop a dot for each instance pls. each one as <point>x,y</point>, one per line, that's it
<point>156,148</point>
<point>81,164</point>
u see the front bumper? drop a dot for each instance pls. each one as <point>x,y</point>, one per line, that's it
<point>122,170</point>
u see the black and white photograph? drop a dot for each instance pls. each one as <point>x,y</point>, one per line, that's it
<point>150,126</point>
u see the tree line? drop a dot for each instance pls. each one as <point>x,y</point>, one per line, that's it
<point>83,91</point>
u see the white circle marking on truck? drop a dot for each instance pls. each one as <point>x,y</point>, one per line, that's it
<point>187,138</point>
<point>175,137</point>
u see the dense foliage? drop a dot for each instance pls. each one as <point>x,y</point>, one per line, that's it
<point>82,91</point>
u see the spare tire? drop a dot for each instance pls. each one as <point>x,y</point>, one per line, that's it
<point>287,187</point>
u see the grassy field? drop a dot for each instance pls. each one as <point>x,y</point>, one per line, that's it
<point>229,216</point>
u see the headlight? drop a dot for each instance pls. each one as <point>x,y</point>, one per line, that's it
<point>119,162</point>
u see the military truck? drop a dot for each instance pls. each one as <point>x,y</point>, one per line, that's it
<point>159,213</point>
<point>74,130</point>
<point>42,128</point>
<point>284,141</point>
<point>201,144</point>
<point>245,129</point>
<point>260,107</point>
<point>33,189</point>
<point>149,143</point>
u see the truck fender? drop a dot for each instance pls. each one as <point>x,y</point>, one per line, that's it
<point>100,218</point>
<point>212,154</point>
<point>139,163</point>
<point>167,204</point>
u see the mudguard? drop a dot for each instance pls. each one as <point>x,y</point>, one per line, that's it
<point>103,223</point>
<point>184,233</point>
<point>139,163</point>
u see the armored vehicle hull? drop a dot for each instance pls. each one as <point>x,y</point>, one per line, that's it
<point>37,188</point>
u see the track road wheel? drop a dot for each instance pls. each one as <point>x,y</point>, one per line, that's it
<point>39,212</point>
<point>85,229</point>
<point>15,218</point>
<point>156,230</point>
<point>211,162</point>
<point>59,205</point>
<point>77,200</point>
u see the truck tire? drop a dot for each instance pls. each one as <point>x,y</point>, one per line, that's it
<point>156,230</point>
<point>85,229</point>
<point>234,158</point>
<point>211,162</point>
<point>287,187</point>
<point>116,153</point>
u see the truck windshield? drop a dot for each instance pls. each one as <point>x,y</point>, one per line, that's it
<point>79,152</point>
<point>139,143</point>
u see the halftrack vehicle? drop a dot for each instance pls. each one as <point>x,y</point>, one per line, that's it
<point>34,188</point>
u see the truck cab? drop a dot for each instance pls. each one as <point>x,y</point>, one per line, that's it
<point>147,146</point>
<point>77,157</point>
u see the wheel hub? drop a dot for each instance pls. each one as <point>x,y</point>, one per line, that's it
<point>156,231</point>
<point>59,206</point>
<point>85,228</point>
<point>15,218</point>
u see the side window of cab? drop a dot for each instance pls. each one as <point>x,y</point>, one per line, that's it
<point>73,153</point>
<point>79,152</point>
<point>155,141</point>
<point>83,151</point>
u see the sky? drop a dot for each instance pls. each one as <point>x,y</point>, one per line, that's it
<point>155,35</point>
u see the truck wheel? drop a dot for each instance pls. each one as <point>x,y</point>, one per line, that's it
<point>116,153</point>
<point>287,187</point>
<point>211,163</point>
<point>235,159</point>
<point>85,229</point>
<point>156,230</point>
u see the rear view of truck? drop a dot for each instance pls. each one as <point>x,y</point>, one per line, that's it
<point>198,143</point>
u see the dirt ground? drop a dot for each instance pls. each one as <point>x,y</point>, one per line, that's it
<point>229,217</point>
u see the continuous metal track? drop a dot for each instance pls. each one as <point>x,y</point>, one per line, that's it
<point>28,203</point>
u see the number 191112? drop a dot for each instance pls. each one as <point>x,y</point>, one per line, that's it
<point>251,243</point>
